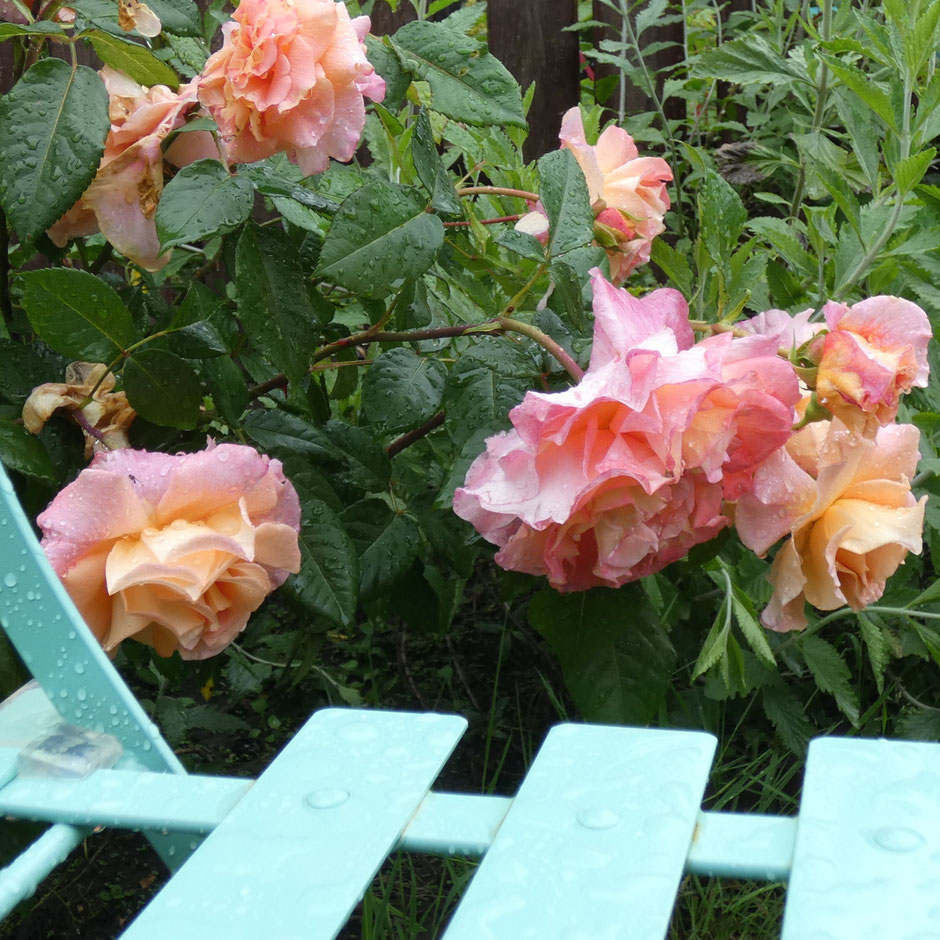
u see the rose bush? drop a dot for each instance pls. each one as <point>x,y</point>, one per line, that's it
<point>175,551</point>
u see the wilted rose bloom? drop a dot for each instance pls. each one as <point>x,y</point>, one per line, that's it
<point>108,414</point>
<point>173,550</point>
<point>846,501</point>
<point>122,199</point>
<point>290,77</point>
<point>619,476</point>
<point>627,190</point>
<point>874,352</point>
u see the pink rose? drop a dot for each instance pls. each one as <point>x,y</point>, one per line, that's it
<point>789,332</point>
<point>122,198</point>
<point>620,475</point>
<point>874,352</point>
<point>846,501</point>
<point>627,190</point>
<point>290,77</point>
<point>173,550</point>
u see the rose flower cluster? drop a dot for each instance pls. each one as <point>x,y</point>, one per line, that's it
<point>665,441</point>
<point>290,76</point>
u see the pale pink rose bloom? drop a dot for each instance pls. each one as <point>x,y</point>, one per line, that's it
<point>627,190</point>
<point>846,502</point>
<point>291,76</point>
<point>789,331</point>
<point>173,550</point>
<point>122,199</point>
<point>620,475</point>
<point>874,352</point>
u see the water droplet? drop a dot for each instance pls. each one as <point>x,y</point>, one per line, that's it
<point>79,668</point>
<point>898,839</point>
<point>10,579</point>
<point>599,818</point>
<point>326,799</point>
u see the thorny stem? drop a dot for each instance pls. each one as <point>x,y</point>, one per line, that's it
<point>465,223</point>
<point>497,191</point>
<point>494,327</point>
<point>546,342</point>
<point>406,440</point>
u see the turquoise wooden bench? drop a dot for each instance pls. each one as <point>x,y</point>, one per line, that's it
<point>593,846</point>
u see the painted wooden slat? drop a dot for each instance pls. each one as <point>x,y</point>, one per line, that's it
<point>866,864</point>
<point>298,851</point>
<point>594,845</point>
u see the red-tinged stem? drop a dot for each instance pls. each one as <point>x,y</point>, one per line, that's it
<point>406,440</point>
<point>546,342</point>
<point>465,224</point>
<point>497,191</point>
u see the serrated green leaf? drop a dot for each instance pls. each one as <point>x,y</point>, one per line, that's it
<point>136,60</point>
<point>564,194</point>
<point>380,236</point>
<point>402,390</point>
<point>831,673</point>
<point>754,633</point>
<point>430,168</point>
<point>203,199</point>
<point>746,61</point>
<point>387,64</point>
<point>39,28</point>
<point>567,297</point>
<point>674,265</point>
<point>722,216</point>
<point>226,385</point>
<point>328,581</point>
<point>786,713</point>
<point>162,388</point>
<point>483,386</point>
<point>715,647</point>
<point>77,314</point>
<point>53,126</point>
<point>522,243</point>
<point>879,652</point>
<point>357,465</point>
<point>615,656</point>
<point>21,451</point>
<point>910,171</point>
<point>865,89</point>
<point>178,16</point>
<point>467,83</point>
<point>270,182</point>
<point>273,301</point>
<point>388,544</point>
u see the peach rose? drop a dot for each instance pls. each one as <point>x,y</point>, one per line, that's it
<point>628,192</point>
<point>619,476</point>
<point>173,550</point>
<point>290,76</point>
<point>874,352</point>
<point>104,420</point>
<point>846,501</point>
<point>123,196</point>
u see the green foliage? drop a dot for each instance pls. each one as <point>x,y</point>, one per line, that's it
<point>202,200</point>
<point>52,130</point>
